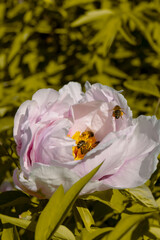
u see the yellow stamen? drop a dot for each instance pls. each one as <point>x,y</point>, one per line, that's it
<point>85,141</point>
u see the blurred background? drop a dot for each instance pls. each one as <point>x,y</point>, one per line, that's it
<point>47,43</point>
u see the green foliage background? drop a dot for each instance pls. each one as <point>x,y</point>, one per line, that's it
<point>47,43</point>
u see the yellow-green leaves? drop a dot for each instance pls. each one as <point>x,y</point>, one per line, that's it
<point>92,16</point>
<point>57,208</point>
<point>85,214</point>
<point>9,232</point>
<point>47,223</point>
<point>63,233</point>
<point>95,233</point>
<point>142,86</point>
<point>112,197</point>
<point>2,11</point>
<point>126,226</point>
<point>144,195</point>
<point>6,123</point>
<point>26,224</point>
<point>73,3</point>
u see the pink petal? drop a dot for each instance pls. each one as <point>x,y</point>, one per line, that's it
<point>74,90</point>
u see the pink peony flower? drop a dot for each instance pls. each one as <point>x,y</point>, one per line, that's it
<point>61,136</point>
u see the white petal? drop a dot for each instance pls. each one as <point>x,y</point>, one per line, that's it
<point>45,179</point>
<point>19,118</point>
<point>74,90</point>
<point>45,97</point>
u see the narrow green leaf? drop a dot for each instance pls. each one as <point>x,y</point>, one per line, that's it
<point>96,233</point>
<point>73,3</point>
<point>2,11</point>
<point>19,40</point>
<point>85,214</point>
<point>106,35</point>
<point>18,222</point>
<point>158,202</point>
<point>78,220</point>
<point>92,16</point>
<point>55,213</point>
<point>142,86</point>
<point>116,72</point>
<point>16,46</point>
<point>125,225</point>
<point>62,231</point>
<point>46,219</point>
<point>140,24</point>
<point>127,35</point>
<point>111,30</point>
<point>144,195</point>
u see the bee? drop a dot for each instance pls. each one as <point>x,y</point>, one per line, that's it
<point>88,143</point>
<point>81,143</point>
<point>83,146</point>
<point>89,134</point>
<point>85,149</point>
<point>117,112</point>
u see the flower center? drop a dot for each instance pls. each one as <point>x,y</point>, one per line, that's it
<point>85,141</point>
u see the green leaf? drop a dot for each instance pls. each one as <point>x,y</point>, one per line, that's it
<point>19,40</point>
<point>112,198</point>
<point>17,9</point>
<point>16,46</point>
<point>3,111</point>
<point>13,198</point>
<point>114,71</point>
<point>63,233</point>
<point>85,214</point>
<point>2,11</point>
<point>6,123</point>
<point>144,195</point>
<point>1,91</point>
<point>73,3</point>
<point>9,232</point>
<point>142,86</point>
<point>127,35</point>
<point>43,27</point>
<point>96,233</point>
<point>55,213</point>
<point>127,225</point>
<point>92,16</point>
<point>155,230</point>
<point>14,66</point>
<point>106,35</point>
<point>44,228</point>
<point>158,202</point>
<point>18,222</point>
<point>140,24</point>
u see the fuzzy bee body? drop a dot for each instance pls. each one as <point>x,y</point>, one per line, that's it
<point>86,145</point>
<point>81,143</point>
<point>117,112</point>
